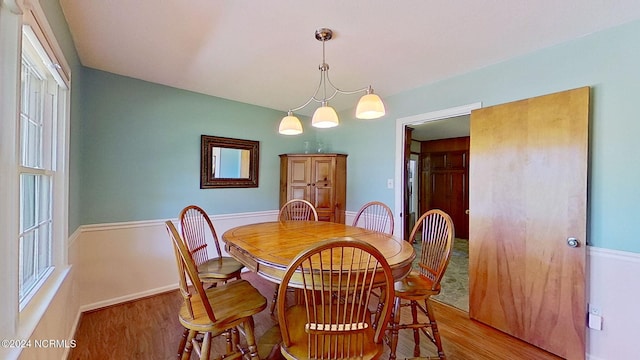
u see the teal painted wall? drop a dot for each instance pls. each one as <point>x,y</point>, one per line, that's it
<point>140,158</point>
<point>607,61</point>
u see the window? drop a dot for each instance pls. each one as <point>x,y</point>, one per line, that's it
<point>43,97</point>
<point>34,131</point>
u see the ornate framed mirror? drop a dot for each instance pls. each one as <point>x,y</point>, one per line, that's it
<point>228,162</point>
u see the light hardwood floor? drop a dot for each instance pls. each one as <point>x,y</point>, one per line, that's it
<point>149,329</point>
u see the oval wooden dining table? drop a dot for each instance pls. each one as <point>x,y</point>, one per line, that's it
<point>268,248</point>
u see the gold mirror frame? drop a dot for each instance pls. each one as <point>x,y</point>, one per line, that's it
<point>207,162</point>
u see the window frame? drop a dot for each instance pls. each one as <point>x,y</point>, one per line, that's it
<point>38,120</point>
<point>19,321</point>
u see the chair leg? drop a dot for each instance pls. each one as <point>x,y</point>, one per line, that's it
<point>416,331</point>
<point>206,347</point>
<point>228,341</point>
<point>183,343</point>
<point>381,300</point>
<point>273,301</point>
<point>249,329</point>
<point>235,338</point>
<point>434,329</point>
<point>186,353</point>
<point>395,323</point>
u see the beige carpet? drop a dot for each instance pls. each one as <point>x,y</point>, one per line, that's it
<point>455,283</point>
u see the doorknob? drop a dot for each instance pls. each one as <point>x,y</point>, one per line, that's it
<point>466,211</point>
<point>573,242</point>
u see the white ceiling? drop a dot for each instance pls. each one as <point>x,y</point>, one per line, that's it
<point>265,52</point>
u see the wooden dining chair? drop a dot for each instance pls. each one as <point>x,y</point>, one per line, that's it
<point>375,216</point>
<point>294,210</point>
<point>435,231</point>
<point>196,226</point>
<point>298,209</point>
<point>331,318</point>
<point>215,311</point>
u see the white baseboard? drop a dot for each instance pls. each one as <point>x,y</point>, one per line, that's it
<point>123,299</point>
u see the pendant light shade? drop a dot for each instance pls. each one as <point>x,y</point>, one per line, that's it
<point>290,125</point>
<point>370,106</point>
<point>324,117</point>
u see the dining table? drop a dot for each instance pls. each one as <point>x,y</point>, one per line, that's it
<point>267,248</point>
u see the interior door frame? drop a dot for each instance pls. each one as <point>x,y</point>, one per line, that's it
<point>399,157</point>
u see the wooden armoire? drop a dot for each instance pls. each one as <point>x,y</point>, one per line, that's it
<point>318,178</point>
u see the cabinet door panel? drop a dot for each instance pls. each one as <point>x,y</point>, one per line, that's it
<point>323,188</point>
<point>299,192</point>
<point>438,161</point>
<point>459,202</point>
<point>323,198</point>
<point>300,172</point>
<point>322,171</point>
<point>440,190</point>
<point>457,160</point>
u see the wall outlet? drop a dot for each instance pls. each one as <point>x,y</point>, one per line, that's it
<point>595,322</point>
<point>389,183</point>
<point>594,318</point>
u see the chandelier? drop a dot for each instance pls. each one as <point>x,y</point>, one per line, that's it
<point>369,106</point>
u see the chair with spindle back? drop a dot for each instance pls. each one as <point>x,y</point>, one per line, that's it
<point>375,216</point>
<point>294,210</point>
<point>435,231</point>
<point>215,311</point>
<point>331,319</point>
<point>196,226</point>
<point>298,209</point>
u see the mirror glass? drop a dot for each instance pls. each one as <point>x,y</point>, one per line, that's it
<point>228,162</point>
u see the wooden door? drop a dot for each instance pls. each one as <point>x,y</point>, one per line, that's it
<point>446,180</point>
<point>322,187</point>
<point>528,196</point>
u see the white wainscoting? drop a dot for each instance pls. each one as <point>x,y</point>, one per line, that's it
<point>119,262</point>
<point>112,263</point>
<point>614,281</point>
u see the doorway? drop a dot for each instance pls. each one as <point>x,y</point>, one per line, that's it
<point>413,189</point>
<point>445,124</point>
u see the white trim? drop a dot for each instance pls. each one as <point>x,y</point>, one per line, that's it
<point>590,357</point>
<point>72,333</point>
<point>126,298</point>
<point>46,59</point>
<point>245,215</point>
<point>10,58</point>
<point>36,17</point>
<point>619,255</point>
<point>121,225</point>
<point>13,6</point>
<point>149,223</point>
<point>416,120</point>
<point>33,312</point>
